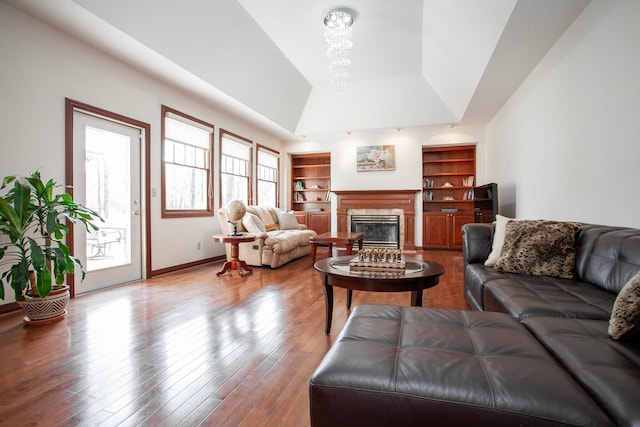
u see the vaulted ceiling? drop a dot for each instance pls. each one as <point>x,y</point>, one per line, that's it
<point>414,62</point>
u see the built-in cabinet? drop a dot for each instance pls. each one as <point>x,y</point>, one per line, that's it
<point>310,190</point>
<point>448,178</point>
<point>444,230</point>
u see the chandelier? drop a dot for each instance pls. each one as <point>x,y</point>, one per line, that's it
<point>338,36</point>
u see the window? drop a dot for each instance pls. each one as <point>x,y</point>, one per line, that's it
<point>235,168</point>
<point>268,172</point>
<point>187,188</point>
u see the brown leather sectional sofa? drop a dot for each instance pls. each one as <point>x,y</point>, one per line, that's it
<point>535,350</point>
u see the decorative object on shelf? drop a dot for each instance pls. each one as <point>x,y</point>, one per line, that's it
<point>33,253</point>
<point>447,184</point>
<point>236,210</point>
<point>448,198</point>
<point>338,37</point>
<point>375,158</point>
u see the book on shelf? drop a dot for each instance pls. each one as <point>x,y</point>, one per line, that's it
<point>467,182</point>
<point>468,195</point>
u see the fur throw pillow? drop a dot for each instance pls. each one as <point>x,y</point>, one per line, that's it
<point>539,248</point>
<point>625,316</point>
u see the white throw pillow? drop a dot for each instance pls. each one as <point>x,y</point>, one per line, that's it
<point>253,224</point>
<point>498,240</point>
<point>287,221</point>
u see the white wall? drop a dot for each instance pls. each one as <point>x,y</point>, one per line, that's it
<point>407,144</point>
<point>566,146</point>
<point>40,67</point>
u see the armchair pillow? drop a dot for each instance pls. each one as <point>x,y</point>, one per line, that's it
<point>253,224</point>
<point>271,227</point>
<point>287,221</point>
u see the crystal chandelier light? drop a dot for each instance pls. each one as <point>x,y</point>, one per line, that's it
<point>338,36</point>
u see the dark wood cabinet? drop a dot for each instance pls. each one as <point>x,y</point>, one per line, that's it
<point>320,222</point>
<point>485,202</point>
<point>448,178</point>
<point>443,230</point>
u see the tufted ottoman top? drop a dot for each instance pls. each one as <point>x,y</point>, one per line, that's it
<point>394,365</point>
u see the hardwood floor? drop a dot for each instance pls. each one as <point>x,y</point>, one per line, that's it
<point>186,349</point>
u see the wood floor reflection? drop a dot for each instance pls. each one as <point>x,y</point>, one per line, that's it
<point>186,349</point>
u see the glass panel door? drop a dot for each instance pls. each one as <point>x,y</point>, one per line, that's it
<point>107,171</point>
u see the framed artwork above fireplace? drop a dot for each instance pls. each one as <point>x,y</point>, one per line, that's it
<point>374,158</point>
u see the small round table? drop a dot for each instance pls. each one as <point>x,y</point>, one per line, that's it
<point>235,263</point>
<point>418,276</point>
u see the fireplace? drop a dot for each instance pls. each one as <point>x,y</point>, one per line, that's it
<point>379,202</point>
<point>379,230</point>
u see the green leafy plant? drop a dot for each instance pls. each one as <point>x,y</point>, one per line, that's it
<point>32,234</point>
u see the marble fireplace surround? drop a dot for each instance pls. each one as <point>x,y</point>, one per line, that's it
<point>379,202</point>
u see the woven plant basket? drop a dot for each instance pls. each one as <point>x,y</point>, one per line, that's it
<point>49,309</point>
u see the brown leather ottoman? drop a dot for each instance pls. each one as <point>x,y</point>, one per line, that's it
<point>414,366</point>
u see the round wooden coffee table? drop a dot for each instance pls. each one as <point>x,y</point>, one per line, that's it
<point>235,263</point>
<point>418,276</point>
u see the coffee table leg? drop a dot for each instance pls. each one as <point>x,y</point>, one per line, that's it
<point>328,300</point>
<point>349,297</point>
<point>416,298</point>
<point>314,248</point>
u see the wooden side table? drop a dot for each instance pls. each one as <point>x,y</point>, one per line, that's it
<point>235,263</point>
<point>345,238</point>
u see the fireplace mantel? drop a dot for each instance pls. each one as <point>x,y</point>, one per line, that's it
<point>379,199</point>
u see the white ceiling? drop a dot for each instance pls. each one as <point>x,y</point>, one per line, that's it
<point>414,62</point>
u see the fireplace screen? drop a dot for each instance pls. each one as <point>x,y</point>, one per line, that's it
<point>379,230</point>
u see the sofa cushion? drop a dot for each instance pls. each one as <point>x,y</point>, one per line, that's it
<point>409,366</point>
<point>608,369</point>
<point>287,221</point>
<point>282,241</point>
<point>540,248</point>
<point>526,296</point>
<point>607,257</point>
<point>253,224</point>
<point>625,317</point>
<point>476,276</point>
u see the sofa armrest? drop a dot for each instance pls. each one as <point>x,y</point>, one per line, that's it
<point>477,239</point>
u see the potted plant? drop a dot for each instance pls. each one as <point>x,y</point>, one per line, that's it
<point>33,255</point>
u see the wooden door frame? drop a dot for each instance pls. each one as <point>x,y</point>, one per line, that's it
<point>72,106</point>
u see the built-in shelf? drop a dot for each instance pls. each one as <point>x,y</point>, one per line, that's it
<point>311,189</point>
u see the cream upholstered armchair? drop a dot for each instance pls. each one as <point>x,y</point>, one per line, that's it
<point>279,237</point>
